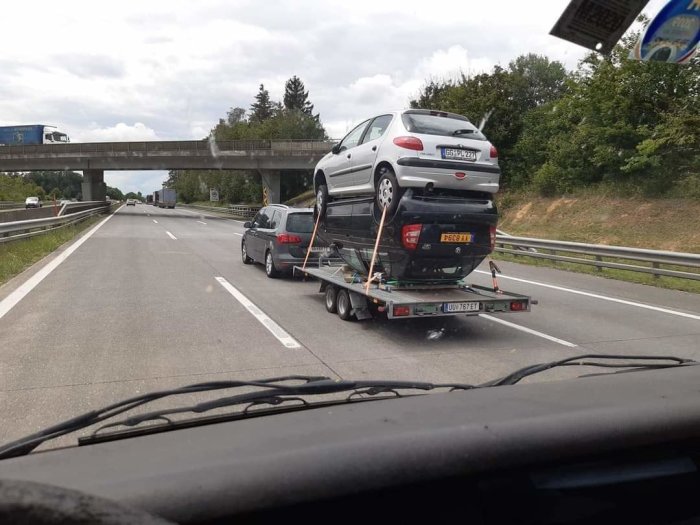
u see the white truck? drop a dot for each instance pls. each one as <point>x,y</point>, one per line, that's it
<point>165,198</point>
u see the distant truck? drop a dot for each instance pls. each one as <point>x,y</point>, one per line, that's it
<point>31,135</point>
<point>165,198</point>
<point>149,199</point>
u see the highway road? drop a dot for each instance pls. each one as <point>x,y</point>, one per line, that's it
<point>151,299</point>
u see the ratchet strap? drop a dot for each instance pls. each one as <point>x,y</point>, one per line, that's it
<point>311,244</point>
<point>494,269</point>
<point>370,277</point>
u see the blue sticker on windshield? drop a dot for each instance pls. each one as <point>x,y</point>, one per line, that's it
<point>672,36</point>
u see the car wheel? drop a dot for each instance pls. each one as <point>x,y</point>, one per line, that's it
<point>270,269</point>
<point>244,254</point>
<point>344,305</point>
<point>321,201</point>
<point>331,299</point>
<point>388,193</point>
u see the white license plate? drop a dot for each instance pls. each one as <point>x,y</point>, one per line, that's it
<point>318,250</point>
<point>459,154</point>
<point>460,307</point>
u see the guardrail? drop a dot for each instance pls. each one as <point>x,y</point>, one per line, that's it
<point>12,231</point>
<point>233,210</point>
<point>196,147</point>
<point>8,205</point>
<point>596,255</point>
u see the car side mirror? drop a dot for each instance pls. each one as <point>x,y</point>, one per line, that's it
<point>247,224</point>
<point>336,149</point>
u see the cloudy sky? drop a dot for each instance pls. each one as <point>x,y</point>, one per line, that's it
<point>168,70</point>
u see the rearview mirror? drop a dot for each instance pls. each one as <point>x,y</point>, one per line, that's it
<point>247,224</point>
<point>336,149</point>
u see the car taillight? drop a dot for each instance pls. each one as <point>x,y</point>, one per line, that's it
<point>492,237</point>
<point>409,143</point>
<point>410,234</point>
<point>493,153</point>
<point>400,311</point>
<point>288,238</point>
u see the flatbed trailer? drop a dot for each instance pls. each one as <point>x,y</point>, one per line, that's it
<point>346,294</point>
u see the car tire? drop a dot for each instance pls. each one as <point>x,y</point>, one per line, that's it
<point>321,201</point>
<point>344,305</point>
<point>244,254</point>
<point>331,299</point>
<point>387,192</point>
<point>270,269</point>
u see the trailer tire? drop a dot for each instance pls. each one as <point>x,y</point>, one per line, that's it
<point>344,305</point>
<point>331,299</point>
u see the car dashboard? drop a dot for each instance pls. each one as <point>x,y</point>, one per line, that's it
<point>613,448</point>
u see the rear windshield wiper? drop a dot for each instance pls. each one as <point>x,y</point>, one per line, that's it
<point>624,362</point>
<point>271,391</point>
<point>463,131</point>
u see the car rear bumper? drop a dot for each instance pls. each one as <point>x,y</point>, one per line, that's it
<point>414,172</point>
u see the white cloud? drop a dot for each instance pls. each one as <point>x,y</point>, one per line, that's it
<point>144,181</point>
<point>119,132</point>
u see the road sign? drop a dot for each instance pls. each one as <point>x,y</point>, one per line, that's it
<point>672,36</point>
<point>597,24</point>
<point>214,195</point>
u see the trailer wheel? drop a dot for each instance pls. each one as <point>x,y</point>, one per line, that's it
<point>331,299</point>
<point>344,305</point>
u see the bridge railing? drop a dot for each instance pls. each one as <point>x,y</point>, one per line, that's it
<point>203,147</point>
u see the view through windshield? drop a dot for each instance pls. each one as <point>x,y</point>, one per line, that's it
<point>155,244</point>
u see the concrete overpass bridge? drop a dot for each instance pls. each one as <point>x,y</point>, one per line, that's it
<point>267,157</point>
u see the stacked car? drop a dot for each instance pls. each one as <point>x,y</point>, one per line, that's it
<point>433,173</point>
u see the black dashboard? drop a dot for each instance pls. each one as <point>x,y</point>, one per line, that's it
<point>616,448</point>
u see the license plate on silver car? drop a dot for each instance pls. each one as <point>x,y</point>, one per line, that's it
<point>460,307</point>
<point>459,154</point>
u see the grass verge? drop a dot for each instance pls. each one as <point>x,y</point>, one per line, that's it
<point>17,256</point>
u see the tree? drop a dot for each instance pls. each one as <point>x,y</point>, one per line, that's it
<point>295,97</point>
<point>261,109</point>
<point>235,115</point>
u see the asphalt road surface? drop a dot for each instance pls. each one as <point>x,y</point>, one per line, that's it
<point>154,298</point>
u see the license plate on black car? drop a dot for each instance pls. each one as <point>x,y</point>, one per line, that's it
<point>459,154</point>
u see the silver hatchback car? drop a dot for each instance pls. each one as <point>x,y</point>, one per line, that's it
<point>420,149</point>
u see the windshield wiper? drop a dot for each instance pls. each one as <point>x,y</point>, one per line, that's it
<point>634,362</point>
<point>272,391</point>
<point>462,131</point>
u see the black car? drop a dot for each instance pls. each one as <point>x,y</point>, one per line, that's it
<point>433,237</point>
<point>279,237</point>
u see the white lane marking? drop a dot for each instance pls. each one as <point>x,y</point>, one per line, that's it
<point>597,296</point>
<point>171,235</point>
<point>155,221</point>
<point>528,330</point>
<point>239,234</point>
<point>15,297</point>
<point>275,329</point>
<point>202,222</point>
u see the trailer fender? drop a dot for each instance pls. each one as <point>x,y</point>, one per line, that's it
<point>360,306</point>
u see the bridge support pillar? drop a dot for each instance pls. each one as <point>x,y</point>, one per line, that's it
<point>271,186</point>
<point>94,187</point>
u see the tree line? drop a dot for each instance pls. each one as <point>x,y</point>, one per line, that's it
<point>47,185</point>
<point>614,123</point>
<point>292,118</point>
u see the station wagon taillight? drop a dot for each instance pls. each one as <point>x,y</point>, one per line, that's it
<point>413,143</point>
<point>410,233</point>
<point>288,238</point>
<point>492,237</point>
<point>493,153</point>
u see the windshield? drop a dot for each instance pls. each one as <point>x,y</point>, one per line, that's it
<point>484,196</point>
<point>300,222</point>
<point>440,125</point>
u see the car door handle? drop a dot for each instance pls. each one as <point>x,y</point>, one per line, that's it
<point>374,148</point>
<point>349,155</point>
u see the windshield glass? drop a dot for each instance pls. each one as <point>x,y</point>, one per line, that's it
<point>485,196</point>
<point>300,222</point>
<point>438,125</point>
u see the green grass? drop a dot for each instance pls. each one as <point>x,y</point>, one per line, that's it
<point>17,256</point>
<point>673,283</point>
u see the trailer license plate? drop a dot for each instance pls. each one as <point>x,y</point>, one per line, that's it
<point>461,237</point>
<point>460,307</point>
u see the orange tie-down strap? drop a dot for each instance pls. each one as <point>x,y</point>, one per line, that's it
<point>374,253</point>
<point>311,244</point>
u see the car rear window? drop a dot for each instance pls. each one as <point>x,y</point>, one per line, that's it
<point>441,125</point>
<point>300,222</point>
